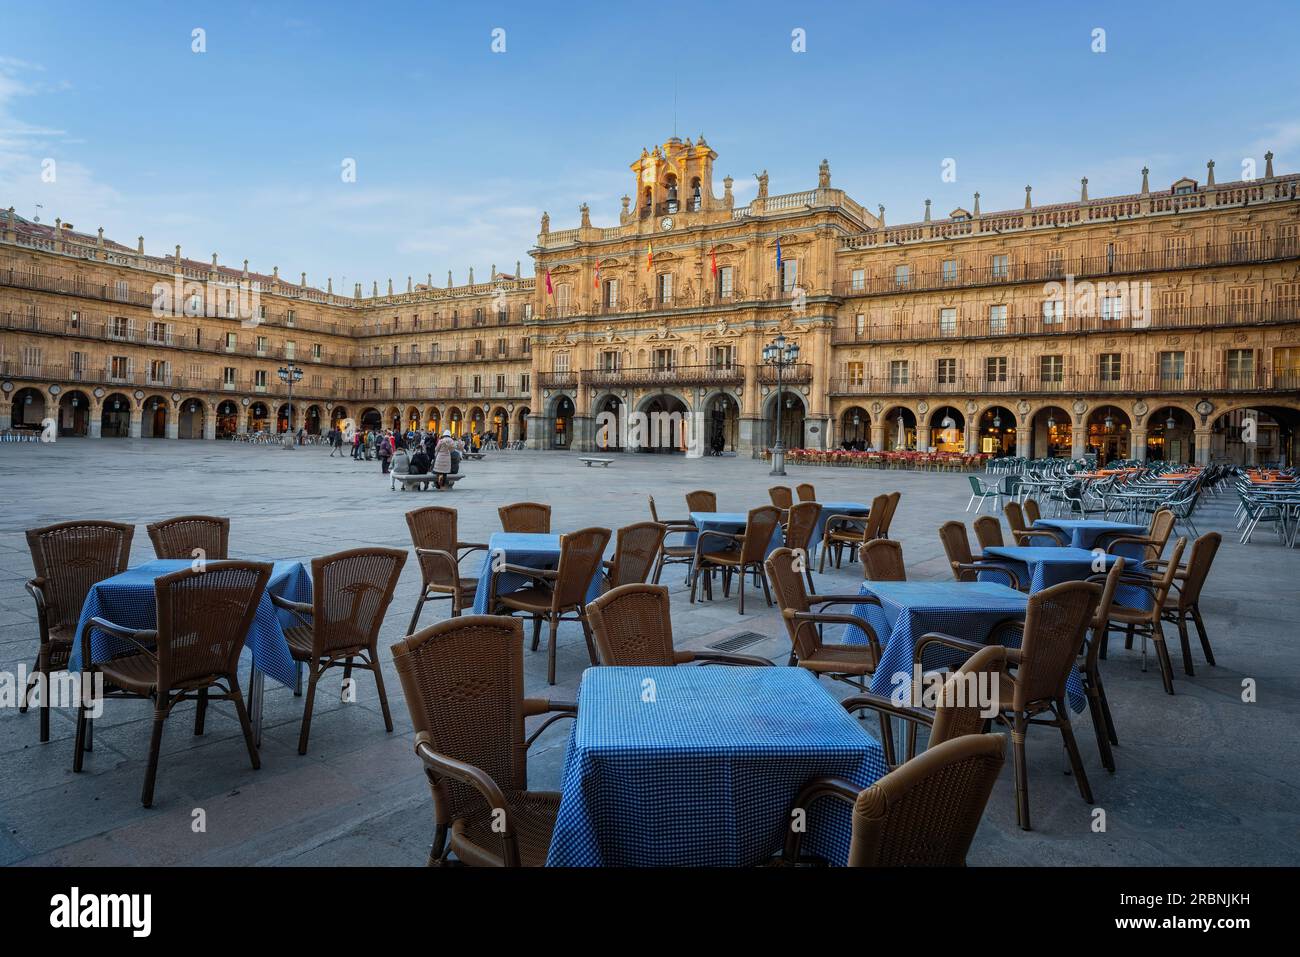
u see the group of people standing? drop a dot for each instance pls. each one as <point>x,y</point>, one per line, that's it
<point>413,452</point>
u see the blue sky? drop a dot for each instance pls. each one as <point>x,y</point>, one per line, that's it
<point>239,150</point>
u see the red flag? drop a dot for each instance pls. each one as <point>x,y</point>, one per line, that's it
<point>596,282</point>
<point>549,290</point>
<point>713,261</point>
<point>650,258</point>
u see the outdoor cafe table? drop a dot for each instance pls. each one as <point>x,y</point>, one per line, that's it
<point>1085,532</point>
<point>128,600</point>
<point>909,610</point>
<point>732,523</point>
<point>856,509</point>
<point>520,548</point>
<point>670,767</point>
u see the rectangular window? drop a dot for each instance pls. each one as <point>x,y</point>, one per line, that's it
<point>726,282</point>
<point>664,289</point>
<point>859,280</point>
<point>1172,365</point>
<point>859,325</point>
<point>1108,366</point>
<point>664,360</point>
<point>478,384</point>
<point>949,270</point>
<point>316,351</point>
<point>610,360</point>
<point>995,369</point>
<point>609,294</point>
<point>122,289</point>
<point>1112,308</point>
<point>945,371</point>
<point>563,293</point>
<point>525,383</point>
<point>290,347</point>
<point>119,327</point>
<point>789,274</point>
<point>259,380</point>
<point>947,322</point>
<point>74,320</point>
<point>119,368</point>
<point>501,347</point>
<point>1056,262</point>
<point>997,320</point>
<point>1053,312</point>
<point>501,385</point>
<point>503,315</point>
<point>560,362</point>
<point>478,348</point>
<point>76,364</point>
<point>288,317</point>
<point>902,275</point>
<point>723,357</point>
<point>1051,369</point>
<point>1001,267</point>
<point>159,372</point>
<point>528,310</point>
<point>229,377</point>
<point>898,372</point>
<point>261,345</point>
<point>1241,368</point>
<point>32,360</point>
<point>855,372</point>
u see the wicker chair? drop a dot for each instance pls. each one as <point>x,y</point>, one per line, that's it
<point>69,558</point>
<point>781,497</point>
<point>806,492</point>
<point>439,551</point>
<point>557,591</point>
<point>701,501</point>
<point>801,523</point>
<point>988,532</point>
<point>1146,622</point>
<point>351,592</point>
<point>672,554</point>
<point>1022,534</point>
<point>203,618</point>
<point>841,532</point>
<point>1030,509</point>
<point>888,521</point>
<point>965,567</point>
<point>882,561</point>
<point>526,518</point>
<point>847,663</point>
<point>747,554</point>
<point>1103,725</point>
<point>923,814</point>
<point>632,625</point>
<point>182,537</point>
<point>463,680</point>
<point>1185,602</point>
<point>636,553</point>
<point>1152,543</point>
<point>1053,633</point>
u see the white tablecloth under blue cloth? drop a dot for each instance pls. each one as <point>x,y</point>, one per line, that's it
<point>520,548</point>
<point>692,766</point>
<point>909,610</point>
<point>128,600</point>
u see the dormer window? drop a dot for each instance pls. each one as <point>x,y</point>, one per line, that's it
<point>1183,187</point>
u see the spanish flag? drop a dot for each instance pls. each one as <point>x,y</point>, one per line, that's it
<point>596,282</point>
<point>650,258</point>
<point>713,260</point>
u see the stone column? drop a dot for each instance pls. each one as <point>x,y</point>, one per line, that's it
<point>6,417</point>
<point>241,419</point>
<point>95,420</point>
<point>210,423</point>
<point>137,423</point>
<point>582,433</point>
<point>922,438</point>
<point>971,437</point>
<point>877,435</point>
<point>536,428</point>
<point>1024,435</point>
<point>1137,444</point>
<point>749,439</point>
<point>1078,440</point>
<point>173,421</point>
<point>1203,439</point>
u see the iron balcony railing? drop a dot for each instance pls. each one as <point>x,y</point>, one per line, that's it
<point>649,376</point>
<point>1139,383</point>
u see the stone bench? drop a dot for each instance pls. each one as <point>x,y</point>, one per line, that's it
<point>409,480</point>
<point>589,462</point>
<point>472,455</point>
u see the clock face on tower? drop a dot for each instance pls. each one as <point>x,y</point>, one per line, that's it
<point>666,223</point>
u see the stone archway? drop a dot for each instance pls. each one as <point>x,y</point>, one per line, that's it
<point>499,425</point>
<point>997,431</point>
<point>721,423</point>
<point>28,410</point>
<point>899,423</point>
<point>1109,434</point>
<point>154,411</point>
<point>609,426</point>
<point>227,419</point>
<point>1050,433</point>
<point>115,419</point>
<point>1274,427</point>
<point>793,413</point>
<point>561,419</point>
<point>855,428</point>
<point>664,425</point>
<point>521,423</point>
<point>948,429</point>
<point>1171,435</point>
<point>191,418</point>
<point>259,417</point>
<point>74,414</point>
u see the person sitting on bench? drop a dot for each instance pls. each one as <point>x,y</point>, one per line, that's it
<point>419,464</point>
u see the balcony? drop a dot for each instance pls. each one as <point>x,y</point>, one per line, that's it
<point>798,374</point>
<point>1139,383</point>
<point>1033,324</point>
<point>652,376</point>
<point>1058,268</point>
<point>557,380</point>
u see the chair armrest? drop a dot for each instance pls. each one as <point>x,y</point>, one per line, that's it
<point>465,548</point>
<point>881,703</point>
<point>36,588</point>
<point>476,778</point>
<point>843,600</point>
<point>838,788</point>
<point>988,565</point>
<point>730,536</point>
<point>558,710</point>
<point>948,641</point>
<point>301,607</point>
<point>1129,540</point>
<point>831,618</point>
<point>720,658</point>
<point>137,636</point>
<point>840,518</point>
<point>529,572</point>
<point>1026,533</point>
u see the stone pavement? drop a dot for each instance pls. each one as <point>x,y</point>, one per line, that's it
<point>1203,778</point>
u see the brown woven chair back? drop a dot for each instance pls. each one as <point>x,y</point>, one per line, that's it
<point>203,619</point>
<point>632,626</point>
<point>434,527</point>
<point>654,512</point>
<point>1030,511</point>
<point>925,812</point>
<point>1162,526</point>
<point>701,501</point>
<point>781,496</point>
<point>463,680</point>
<point>882,561</point>
<point>179,537</point>
<point>1198,568</point>
<point>791,595</point>
<point>1015,517</point>
<point>351,592</point>
<point>876,517</point>
<point>581,553</point>
<point>806,492</point>
<point>73,556</point>
<point>526,518</point>
<point>800,524</point>
<point>635,549</point>
<point>962,698</point>
<point>956,545</point>
<point>988,531</point>
<point>1056,623</point>
<point>760,526</point>
<point>894,499</point>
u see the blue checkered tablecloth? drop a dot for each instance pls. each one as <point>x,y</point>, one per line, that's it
<point>1068,566</point>
<point>1085,532</point>
<point>1042,567</point>
<point>835,508</point>
<point>909,610</point>
<point>730,522</point>
<point>704,773</point>
<point>128,600</point>
<point>519,548</point>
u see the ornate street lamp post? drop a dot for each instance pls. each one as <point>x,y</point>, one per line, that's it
<point>289,375</point>
<point>779,353</point>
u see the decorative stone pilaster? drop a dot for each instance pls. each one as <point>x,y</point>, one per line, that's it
<point>210,424</point>
<point>1078,440</point>
<point>1203,439</point>
<point>137,423</point>
<point>1137,442</point>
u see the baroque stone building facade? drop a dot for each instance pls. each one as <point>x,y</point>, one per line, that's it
<point>1164,323</point>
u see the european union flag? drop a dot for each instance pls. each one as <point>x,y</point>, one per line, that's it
<point>778,257</point>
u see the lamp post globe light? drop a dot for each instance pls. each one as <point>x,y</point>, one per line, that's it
<point>289,374</point>
<point>780,353</point>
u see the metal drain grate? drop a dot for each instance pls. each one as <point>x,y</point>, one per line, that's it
<point>736,642</point>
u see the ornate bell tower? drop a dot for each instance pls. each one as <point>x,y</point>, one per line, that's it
<point>675,178</point>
